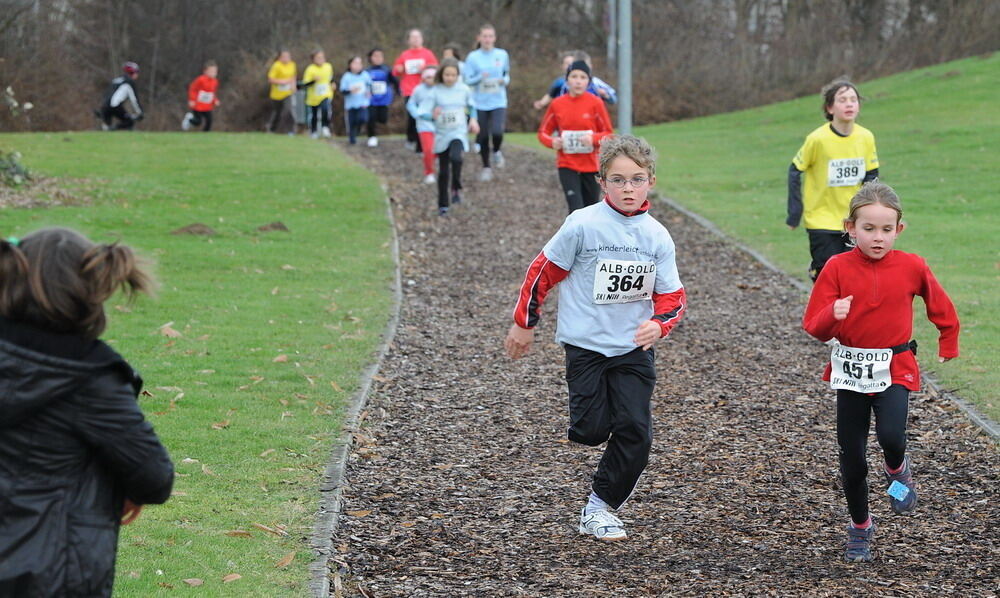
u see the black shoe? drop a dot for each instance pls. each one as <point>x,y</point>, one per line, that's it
<point>456,197</point>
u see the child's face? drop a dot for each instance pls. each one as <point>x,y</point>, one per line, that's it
<point>567,60</point>
<point>449,75</point>
<point>356,65</point>
<point>285,57</point>
<point>875,230</point>
<point>415,39</point>
<point>487,37</point>
<point>577,82</point>
<point>428,78</point>
<point>377,58</point>
<point>636,183</point>
<point>212,72</point>
<point>845,105</point>
<point>320,58</point>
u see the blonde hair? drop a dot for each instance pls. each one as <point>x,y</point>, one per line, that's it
<point>874,193</point>
<point>634,148</point>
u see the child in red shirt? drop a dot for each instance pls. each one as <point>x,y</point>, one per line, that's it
<point>408,69</point>
<point>582,122</point>
<point>202,98</point>
<point>864,300</point>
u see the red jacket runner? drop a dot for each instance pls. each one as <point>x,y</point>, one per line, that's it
<point>585,112</point>
<point>201,93</point>
<point>881,313</point>
<point>414,56</point>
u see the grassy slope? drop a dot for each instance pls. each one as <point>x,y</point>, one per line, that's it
<point>936,130</point>
<point>318,295</point>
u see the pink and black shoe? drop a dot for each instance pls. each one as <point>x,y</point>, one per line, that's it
<point>901,488</point>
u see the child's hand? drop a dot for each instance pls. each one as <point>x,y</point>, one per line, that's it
<point>944,359</point>
<point>842,307</point>
<point>647,334</point>
<point>130,512</point>
<point>518,342</point>
<point>437,112</point>
<point>557,143</point>
<point>473,126</point>
<point>191,104</point>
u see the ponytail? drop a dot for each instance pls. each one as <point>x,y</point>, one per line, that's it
<point>110,267</point>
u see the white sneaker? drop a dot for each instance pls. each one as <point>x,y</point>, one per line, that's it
<point>314,135</point>
<point>498,160</point>
<point>430,179</point>
<point>410,146</point>
<point>373,142</point>
<point>326,133</point>
<point>186,122</point>
<point>486,174</point>
<point>602,525</point>
<point>476,148</point>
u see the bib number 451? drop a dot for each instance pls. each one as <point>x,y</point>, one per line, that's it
<point>856,371</point>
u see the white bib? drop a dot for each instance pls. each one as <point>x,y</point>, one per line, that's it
<point>846,172</point>
<point>284,87</point>
<point>379,88</point>
<point>205,97</point>
<point>322,89</point>
<point>623,281</point>
<point>860,370</point>
<point>413,66</point>
<point>450,118</point>
<point>490,85</point>
<point>577,142</point>
<point>357,88</point>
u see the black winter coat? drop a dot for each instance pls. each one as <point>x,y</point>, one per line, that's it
<point>73,446</point>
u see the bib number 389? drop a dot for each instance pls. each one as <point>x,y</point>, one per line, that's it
<point>860,370</point>
<point>846,172</point>
<point>622,281</point>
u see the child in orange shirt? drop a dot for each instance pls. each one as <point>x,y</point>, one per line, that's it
<point>202,98</point>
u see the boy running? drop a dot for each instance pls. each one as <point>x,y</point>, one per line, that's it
<point>202,98</point>
<point>621,294</point>
<point>120,102</point>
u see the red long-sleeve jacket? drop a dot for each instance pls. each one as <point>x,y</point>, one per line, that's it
<point>201,93</point>
<point>585,112</point>
<point>881,314</point>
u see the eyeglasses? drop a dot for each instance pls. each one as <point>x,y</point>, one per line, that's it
<point>619,182</point>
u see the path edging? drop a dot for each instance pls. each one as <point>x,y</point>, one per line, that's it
<point>332,484</point>
<point>975,416</point>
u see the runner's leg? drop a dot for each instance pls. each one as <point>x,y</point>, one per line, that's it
<point>590,187</point>
<point>890,407</point>
<point>483,137</point>
<point>853,422</point>
<point>442,181</point>
<point>427,146</point>
<point>571,185</point>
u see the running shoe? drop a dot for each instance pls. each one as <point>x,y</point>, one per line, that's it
<point>602,525</point>
<point>373,142</point>
<point>902,497</point>
<point>442,211</point>
<point>486,174</point>
<point>430,179</point>
<point>476,148</point>
<point>186,122</point>
<point>326,133</point>
<point>314,135</point>
<point>456,197</point>
<point>859,549</point>
<point>410,145</point>
<point>498,160</point>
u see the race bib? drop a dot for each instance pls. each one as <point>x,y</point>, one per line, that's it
<point>846,172</point>
<point>577,142</point>
<point>322,89</point>
<point>860,370</point>
<point>413,66</point>
<point>379,88</point>
<point>205,97</point>
<point>284,87</point>
<point>450,118</point>
<point>622,281</point>
<point>490,85</point>
<point>357,88</point>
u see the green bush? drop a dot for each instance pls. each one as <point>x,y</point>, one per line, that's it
<point>12,172</point>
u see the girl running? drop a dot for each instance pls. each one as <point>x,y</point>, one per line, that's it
<point>574,126</point>
<point>453,50</point>
<point>77,458</point>
<point>864,300</point>
<point>836,159</point>
<point>408,67</point>
<point>356,86</point>
<point>425,127</point>
<point>202,98</point>
<point>488,72</point>
<point>620,294</point>
<point>383,84</point>
<point>281,76</point>
<point>318,80</point>
<point>451,106</point>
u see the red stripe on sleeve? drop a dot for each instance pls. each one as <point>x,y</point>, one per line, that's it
<point>542,275</point>
<point>668,309</point>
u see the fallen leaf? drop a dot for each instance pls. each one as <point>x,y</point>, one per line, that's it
<point>288,267</point>
<point>231,577</point>
<point>267,452</point>
<point>205,470</point>
<point>286,560</point>
<point>359,513</point>
<point>188,460</point>
<point>146,393</point>
<point>336,386</point>
<point>220,425</point>
<point>167,331</point>
<point>178,493</point>
<point>280,359</point>
<point>239,533</point>
<point>164,584</point>
<point>408,523</point>
<point>277,531</point>
<point>194,582</point>
<point>274,291</point>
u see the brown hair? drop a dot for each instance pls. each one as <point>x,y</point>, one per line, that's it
<point>439,75</point>
<point>456,50</point>
<point>874,193</point>
<point>829,92</point>
<point>210,63</point>
<point>57,279</point>
<point>634,148</point>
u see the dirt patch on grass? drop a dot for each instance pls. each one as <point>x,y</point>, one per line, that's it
<point>45,192</point>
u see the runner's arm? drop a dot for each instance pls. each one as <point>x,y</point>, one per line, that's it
<point>547,127</point>
<point>668,309</point>
<point>870,175</point>
<point>602,126</point>
<point>941,312</point>
<point>794,196</point>
<point>542,275</point>
<point>818,319</point>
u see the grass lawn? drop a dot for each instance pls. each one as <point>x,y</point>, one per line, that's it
<point>937,131</point>
<point>273,328</point>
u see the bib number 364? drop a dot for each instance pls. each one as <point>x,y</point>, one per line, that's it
<point>622,281</point>
<point>860,370</point>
